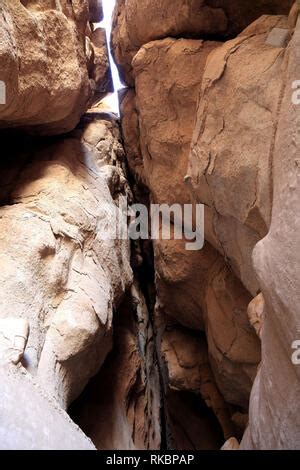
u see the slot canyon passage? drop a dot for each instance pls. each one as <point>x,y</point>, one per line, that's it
<point>111,343</point>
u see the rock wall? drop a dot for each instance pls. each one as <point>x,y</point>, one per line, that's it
<point>145,344</point>
<point>201,123</point>
<point>137,23</point>
<point>52,87</point>
<point>41,425</point>
<point>274,408</point>
<point>60,258</point>
<point>233,143</point>
<point>64,271</point>
<point>120,408</point>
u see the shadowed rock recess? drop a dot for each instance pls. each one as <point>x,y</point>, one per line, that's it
<point>119,344</point>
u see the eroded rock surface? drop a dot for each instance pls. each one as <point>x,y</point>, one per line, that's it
<point>185,366</point>
<point>99,65</point>
<point>137,23</point>
<point>121,407</point>
<point>196,288</point>
<point>60,258</point>
<point>274,407</point>
<point>239,97</point>
<point>210,118</point>
<point>14,334</point>
<point>52,88</point>
<point>201,292</point>
<point>233,142</point>
<point>169,72</point>
<point>39,424</point>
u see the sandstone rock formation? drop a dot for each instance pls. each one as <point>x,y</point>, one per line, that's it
<point>195,288</point>
<point>200,292</point>
<point>121,407</point>
<point>274,407</point>
<point>233,142</point>
<point>231,444</point>
<point>60,258</point>
<point>256,313</point>
<point>170,72</point>
<point>239,90</point>
<point>52,88</point>
<point>185,367</point>
<point>40,424</point>
<point>145,344</point>
<point>137,23</point>
<point>14,334</point>
<point>99,65</point>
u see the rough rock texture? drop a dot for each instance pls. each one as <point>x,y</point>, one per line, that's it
<point>211,117</point>
<point>231,444</point>
<point>131,134</point>
<point>99,67</point>
<point>239,90</point>
<point>43,64</point>
<point>274,407</point>
<point>233,143</point>
<point>137,23</point>
<point>195,288</point>
<point>256,313</point>
<point>169,72</point>
<point>14,334</point>
<point>185,367</point>
<point>59,256</point>
<point>200,292</point>
<point>121,407</point>
<point>30,420</point>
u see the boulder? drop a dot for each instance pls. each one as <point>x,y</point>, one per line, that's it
<point>233,142</point>
<point>120,408</point>
<point>201,292</point>
<point>168,72</point>
<point>45,84</point>
<point>60,256</point>
<point>137,23</point>
<point>40,424</point>
<point>274,405</point>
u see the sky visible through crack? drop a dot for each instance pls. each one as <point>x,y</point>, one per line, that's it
<point>112,99</point>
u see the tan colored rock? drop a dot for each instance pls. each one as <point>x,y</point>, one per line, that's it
<point>120,409</point>
<point>256,313</point>
<point>31,420</point>
<point>182,278</point>
<point>100,67</point>
<point>14,334</point>
<point>137,23</point>
<point>186,364</point>
<point>278,37</point>
<point>51,89</point>
<point>274,406</point>
<point>234,139</point>
<point>233,346</point>
<point>293,16</point>
<point>201,292</point>
<point>131,134</point>
<point>60,258</point>
<point>231,444</point>
<point>168,72</point>
<point>188,283</point>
